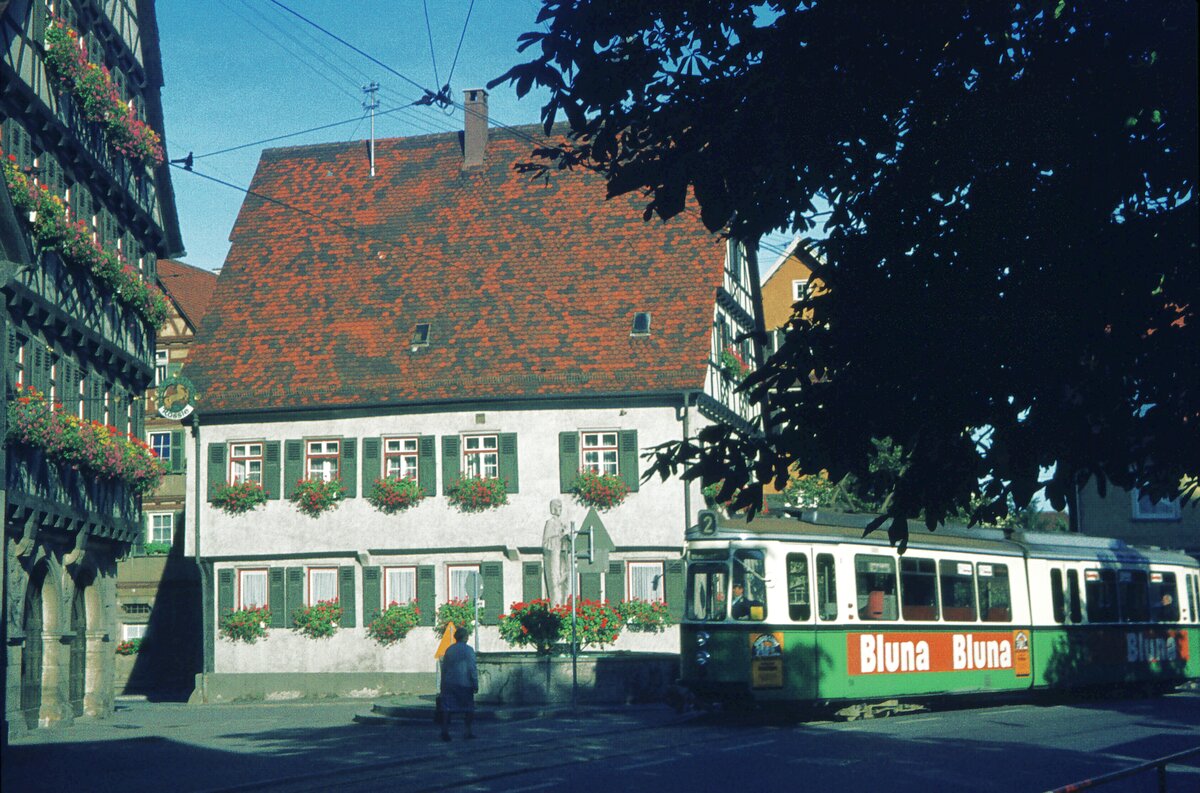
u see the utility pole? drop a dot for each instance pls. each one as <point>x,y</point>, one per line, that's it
<point>372,104</point>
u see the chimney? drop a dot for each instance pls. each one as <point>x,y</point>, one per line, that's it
<point>475,124</point>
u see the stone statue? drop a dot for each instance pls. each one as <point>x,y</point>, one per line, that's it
<point>556,555</point>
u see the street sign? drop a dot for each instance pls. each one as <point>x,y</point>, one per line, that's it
<point>595,544</point>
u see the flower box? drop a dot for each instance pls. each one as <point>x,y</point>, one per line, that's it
<point>394,623</point>
<point>476,494</point>
<point>319,621</point>
<point>316,496</point>
<point>393,495</point>
<point>602,491</point>
<point>239,498</point>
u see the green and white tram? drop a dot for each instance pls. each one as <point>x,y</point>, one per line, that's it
<point>810,611</point>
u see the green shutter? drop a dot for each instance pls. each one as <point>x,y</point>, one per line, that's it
<point>589,586</point>
<point>346,595</point>
<point>493,592</point>
<point>37,372</point>
<point>508,461</point>
<point>293,466</point>
<point>178,527</point>
<point>271,468</point>
<point>276,597</point>
<point>177,458</point>
<point>674,589</point>
<point>614,582</point>
<point>349,466</point>
<point>568,461</point>
<point>224,593</point>
<point>139,544</point>
<point>531,581</point>
<point>628,459</point>
<point>427,465</point>
<point>451,464</point>
<point>371,468</point>
<point>372,594</point>
<point>294,598</point>
<point>425,586</point>
<point>216,468</point>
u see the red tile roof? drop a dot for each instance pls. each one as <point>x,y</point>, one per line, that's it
<point>190,287</point>
<point>529,286</point>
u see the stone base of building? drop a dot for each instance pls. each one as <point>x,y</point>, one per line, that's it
<point>217,687</point>
<point>603,678</point>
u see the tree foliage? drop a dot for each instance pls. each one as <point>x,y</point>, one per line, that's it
<point>1010,266</point>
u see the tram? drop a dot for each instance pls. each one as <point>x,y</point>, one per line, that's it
<point>806,609</point>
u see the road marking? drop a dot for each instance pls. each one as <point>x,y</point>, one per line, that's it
<point>822,761</point>
<point>540,786</point>
<point>741,746</point>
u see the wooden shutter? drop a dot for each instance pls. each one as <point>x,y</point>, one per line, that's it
<point>674,589</point>
<point>372,588</point>
<point>589,586</point>
<point>224,592</point>
<point>271,469</point>
<point>37,371</point>
<point>371,468</point>
<point>427,465</point>
<point>349,466</point>
<point>627,455</point>
<point>492,593</point>
<point>293,466</point>
<point>178,460</point>
<point>216,468</point>
<point>614,582</point>
<point>531,581</point>
<point>451,463</point>
<point>346,595</point>
<point>508,461</point>
<point>425,593</point>
<point>139,543</point>
<point>568,461</point>
<point>294,595</point>
<point>276,597</point>
<point>40,13</point>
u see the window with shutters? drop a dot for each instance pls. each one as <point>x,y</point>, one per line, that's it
<point>161,359</point>
<point>17,344</point>
<point>400,458</point>
<point>245,463</point>
<point>461,580</point>
<point>322,584</point>
<point>645,581</point>
<point>322,458</point>
<point>399,585</point>
<point>252,588</point>
<point>160,444</point>
<point>162,527</point>
<point>481,456</point>
<point>599,453</point>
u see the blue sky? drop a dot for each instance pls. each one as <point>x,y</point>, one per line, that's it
<point>241,71</point>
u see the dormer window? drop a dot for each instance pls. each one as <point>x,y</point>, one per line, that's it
<point>420,337</point>
<point>641,324</point>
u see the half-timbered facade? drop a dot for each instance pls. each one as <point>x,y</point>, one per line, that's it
<point>86,210</point>
<point>444,319</point>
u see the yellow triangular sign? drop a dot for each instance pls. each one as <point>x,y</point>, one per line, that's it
<point>447,640</point>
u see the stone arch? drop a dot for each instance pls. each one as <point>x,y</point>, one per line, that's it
<point>80,620</point>
<point>55,661</point>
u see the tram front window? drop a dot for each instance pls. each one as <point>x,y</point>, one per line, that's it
<point>707,584</point>
<point>749,586</point>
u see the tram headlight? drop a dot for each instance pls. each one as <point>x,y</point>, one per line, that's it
<point>701,638</point>
<point>702,657</point>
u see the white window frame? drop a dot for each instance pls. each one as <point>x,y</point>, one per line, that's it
<point>246,462</point>
<point>650,569</point>
<point>322,459</point>
<point>597,455</point>
<point>133,630</point>
<point>323,573</point>
<point>162,359</point>
<point>159,433</point>
<point>461,572</point>
<point>401,457</point>
<point>253,572</point>
<point>1165,509</point>
<point>799,286</point>
<point>479,458</point>
<point>390,596</point>
<point>153,519</point>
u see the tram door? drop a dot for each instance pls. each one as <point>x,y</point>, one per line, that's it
<point>802,663</point>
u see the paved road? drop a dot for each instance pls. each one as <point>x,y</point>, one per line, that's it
<point>315,747</point>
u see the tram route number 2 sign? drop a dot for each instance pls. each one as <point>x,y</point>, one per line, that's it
<point>766,660</point>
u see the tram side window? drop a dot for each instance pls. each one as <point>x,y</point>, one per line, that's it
<point>918,588</point>
<point>958,590</point>
<point>826,587</point>
<point>1056,596</point>
<point>1133,596</point>
<point>1101,589</point>
<point>1193,596</point>
<point>799,606</point>
<point>875,577</point>
<point>707,584</point>
<point>1073,596</point>
<point>749,572</point>
<point>995,596</point>
<point>1164,598</point>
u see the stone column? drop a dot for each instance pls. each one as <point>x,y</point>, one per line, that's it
<point>98,688</point>
<point>56,669</point>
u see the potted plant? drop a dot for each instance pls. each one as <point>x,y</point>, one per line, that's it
<point>392,495</point>
<point>733,364</point>
<point>318,621</point>
<point>602,491</point>
<point>394,623</point>
<point>596,622</point>
<point>239,498</point>
<point>533,624</point>
<point>246,625</point>
<point>641,616</point>
<point>460,611</point>
<point>475,494</point>
<point>129,647</point>
<point>315,496</point>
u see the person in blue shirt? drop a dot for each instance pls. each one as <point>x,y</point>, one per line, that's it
<point>460,683</point>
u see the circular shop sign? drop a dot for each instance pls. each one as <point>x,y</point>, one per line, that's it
<point>175,397</point>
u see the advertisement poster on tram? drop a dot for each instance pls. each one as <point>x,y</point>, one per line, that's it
<point>766,660</point>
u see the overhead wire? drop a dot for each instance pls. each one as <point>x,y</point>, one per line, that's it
<point>463,35</point>
<point>432,54</point>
